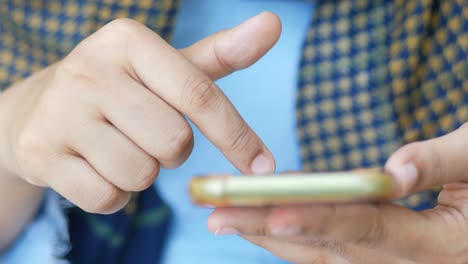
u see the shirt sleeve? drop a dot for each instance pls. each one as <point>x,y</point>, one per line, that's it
<point>46,239</point>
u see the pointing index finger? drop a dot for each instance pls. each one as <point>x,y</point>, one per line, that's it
<point>174,78</point>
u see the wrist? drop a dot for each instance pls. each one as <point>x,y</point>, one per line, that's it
<point>9,170</point>
<point>14,104</point>
<point>13,101</point>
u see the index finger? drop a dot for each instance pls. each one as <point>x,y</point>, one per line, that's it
<point>176,80</point>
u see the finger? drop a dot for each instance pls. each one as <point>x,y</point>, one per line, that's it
<point>182,85</point>
<point>237,48</point>
<point>114,156</point>
<point>307,250</point>
<point>384,231</point>
<point>165,71</point>
<point>147,120</point>
<point>220,223</point>
<point>296,252</point>
<point>77,181</point>
<point>384,227</point>
<point>423,165</point>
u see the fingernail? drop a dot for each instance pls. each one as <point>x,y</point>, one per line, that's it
<point>406,176</point>
<point>287,230</point>
<point>262,165</point>
<point>225,231</point>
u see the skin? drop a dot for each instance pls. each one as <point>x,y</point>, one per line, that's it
<point>98,125</point>
<point>65,128</point>
<point>372,233</point>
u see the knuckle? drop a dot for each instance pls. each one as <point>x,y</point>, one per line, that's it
<point>179,145</point>
<point>439,166</point>
<point>375,233</point>
<point>147,175</point>
<point>29,145</point>
<point>121,28</point>
<point>226,59</point>
<point>200,93</point>
<point>108,200</point>
<point>121,32</point>
<point>233,57</point>
<point>241,138</point>
<point>432,165</point>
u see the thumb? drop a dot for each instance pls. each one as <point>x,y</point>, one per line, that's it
<point>237,48</point>
<point>423,165</point>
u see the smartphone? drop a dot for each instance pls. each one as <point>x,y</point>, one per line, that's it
<point>286,189</point>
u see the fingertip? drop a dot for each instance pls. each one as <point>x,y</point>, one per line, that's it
<point>216,221</point>
<point>399,156</point>
<point>404,170</point>
<point>212,224</point>
<point>263,163</point>
<point>273,21</point>
<point>236,48</point>
<point>406,177</point>
<point>249,41</point>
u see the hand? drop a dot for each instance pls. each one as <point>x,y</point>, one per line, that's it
<point>372,233</point>
<point>99,124</point>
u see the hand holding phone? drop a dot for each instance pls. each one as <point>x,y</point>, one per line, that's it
<point>297,188</point>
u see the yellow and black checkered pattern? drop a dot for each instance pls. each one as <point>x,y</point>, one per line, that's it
<point>378,74</point>
<point>34,34</point>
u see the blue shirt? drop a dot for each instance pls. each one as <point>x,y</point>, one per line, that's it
<point>264,94</point>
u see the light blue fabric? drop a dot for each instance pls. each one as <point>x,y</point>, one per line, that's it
<point>264,94</point>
